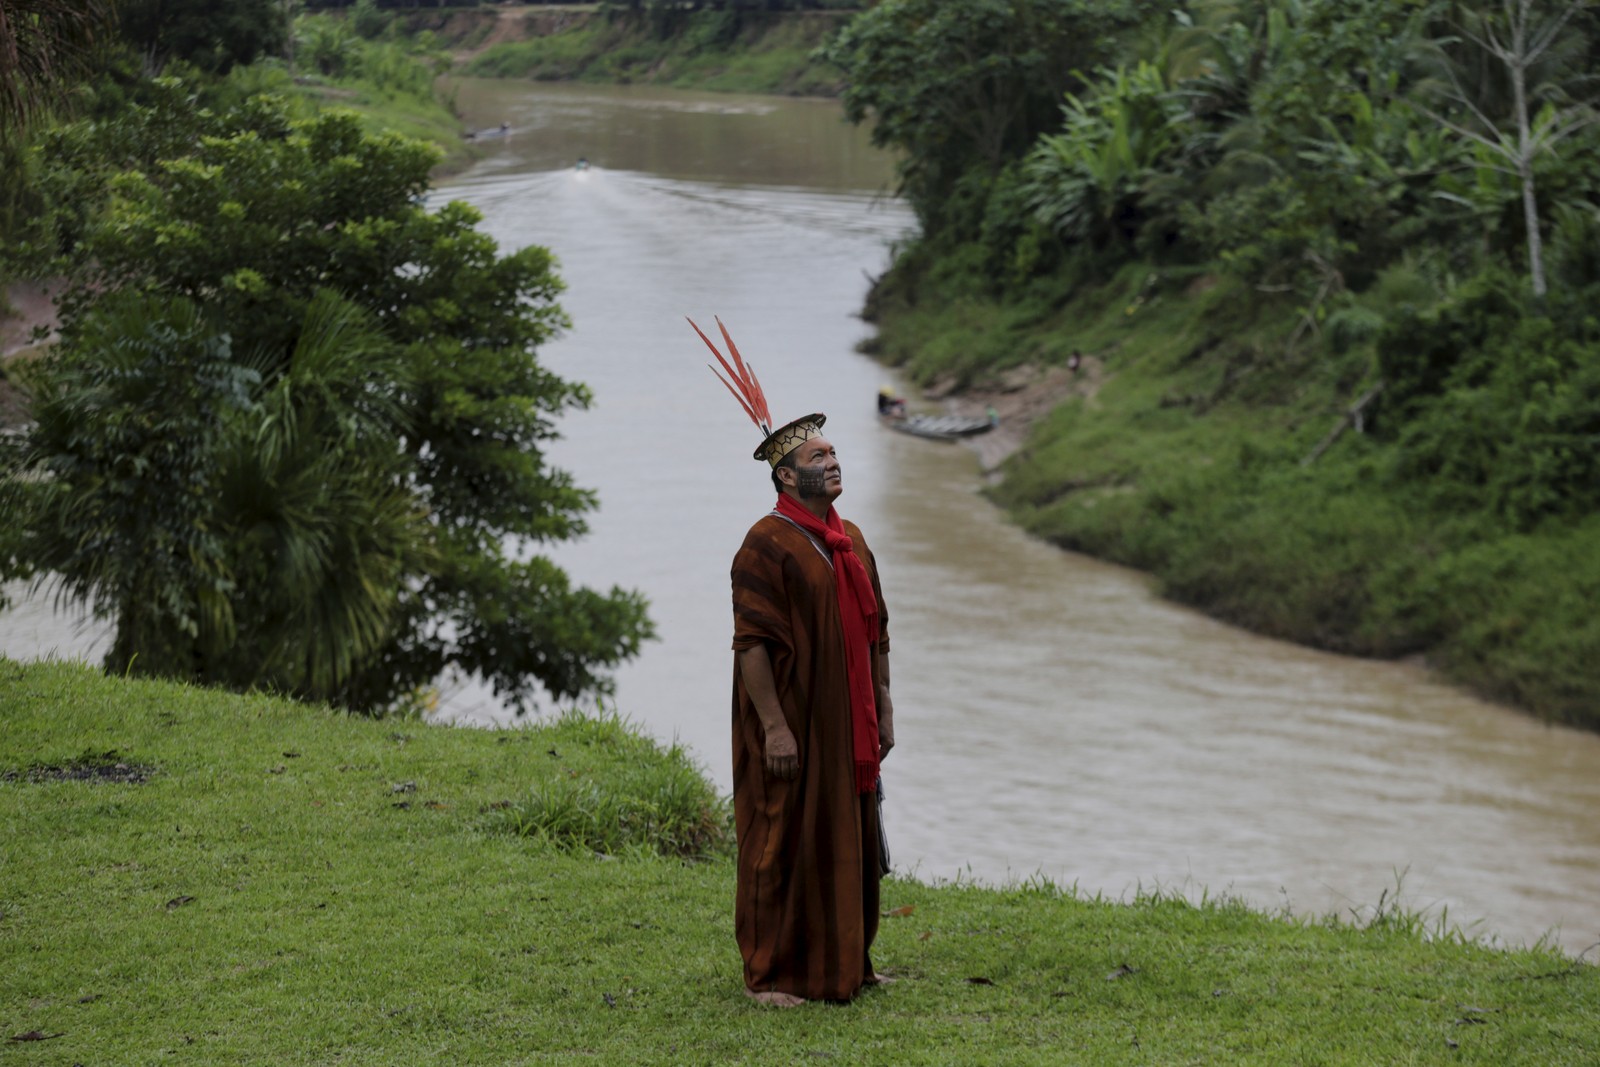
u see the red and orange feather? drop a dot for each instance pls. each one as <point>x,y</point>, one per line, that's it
<point>745,387</point>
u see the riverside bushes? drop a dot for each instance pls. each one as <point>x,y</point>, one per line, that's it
<point>1461,525</point>
<point>1524,626</point>
<point>1256,220</point>
<point>1494,405</point>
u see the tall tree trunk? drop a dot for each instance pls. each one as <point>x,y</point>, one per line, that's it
<point>1530,217</point>
<point>1518,64</point>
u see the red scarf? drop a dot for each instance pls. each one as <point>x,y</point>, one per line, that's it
<point>858,617</point>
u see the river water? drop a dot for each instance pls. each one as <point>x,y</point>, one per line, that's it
<point>1054,718</point>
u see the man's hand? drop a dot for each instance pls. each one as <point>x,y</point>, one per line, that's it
<point>783,755</point>
<point>885,723</point>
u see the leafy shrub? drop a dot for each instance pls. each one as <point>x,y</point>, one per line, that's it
<point>1020,247</point>
<point>1086,183</point>
<point>326,44</point>
<point>368,21</point>
<point>712,30</point>
<point>646,798</point>
<point>1292,555</point>
<point>1495,406</point>
<point>1425,351</point>
<point>1522,619</point>
<point>1351,327</point>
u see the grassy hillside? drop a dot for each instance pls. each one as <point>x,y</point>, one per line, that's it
<point>1261,224</point>
<point>194,877</point>
<point>716,50</point>
<point>1190,456</point>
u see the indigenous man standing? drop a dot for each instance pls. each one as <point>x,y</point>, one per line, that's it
<point>812,719</point>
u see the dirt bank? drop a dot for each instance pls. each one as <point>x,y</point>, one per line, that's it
<point>26,305</point>
<point>1021,397</point>
<point>467,33</point>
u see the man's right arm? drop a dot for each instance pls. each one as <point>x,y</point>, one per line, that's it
<point>782,753</point>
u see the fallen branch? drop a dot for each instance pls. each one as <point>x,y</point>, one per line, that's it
<point>1332,282</point>
<point>1350,418</point>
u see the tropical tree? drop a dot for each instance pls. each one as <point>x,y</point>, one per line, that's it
<point>168,379</point>
<point>967,87</point>
<point>326,44</point>
<point>214,36</point>
<point>1539,61</point>
<point>1087,182</point>
<point>1303,165</point>
<point>358,490</point>
<point>242,530</point>
<point>44,46</point>
<point>368,21</point>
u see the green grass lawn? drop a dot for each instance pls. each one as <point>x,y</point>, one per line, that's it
<point>288,885</point>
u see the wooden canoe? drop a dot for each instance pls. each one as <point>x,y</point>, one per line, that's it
<point>941,427</point>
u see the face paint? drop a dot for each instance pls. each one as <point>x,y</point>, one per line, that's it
<point>811,481</point>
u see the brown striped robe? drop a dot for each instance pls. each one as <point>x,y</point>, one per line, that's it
<point>806,907</point>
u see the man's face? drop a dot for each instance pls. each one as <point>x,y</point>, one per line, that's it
<point>817,472</point>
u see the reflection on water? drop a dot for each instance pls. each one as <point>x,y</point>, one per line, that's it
<point>1053,716</point>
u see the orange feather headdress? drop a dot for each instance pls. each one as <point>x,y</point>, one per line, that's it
<point>746,389</point>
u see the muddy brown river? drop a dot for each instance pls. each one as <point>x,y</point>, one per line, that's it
<point>1054,717</point>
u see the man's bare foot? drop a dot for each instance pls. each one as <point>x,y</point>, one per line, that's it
<point>880,979</point>
<point>774,999</point>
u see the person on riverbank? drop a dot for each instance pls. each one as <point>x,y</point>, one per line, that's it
<point>812,721</point>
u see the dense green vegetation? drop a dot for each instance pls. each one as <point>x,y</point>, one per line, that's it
<point>292,436</point>
<point>201,877</point>
<point>362,63</point>
<point>722,47</point>
<point>127,113</point>
<point>1263,223</point>
<point>277,361</point>
<point>46,44</point>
